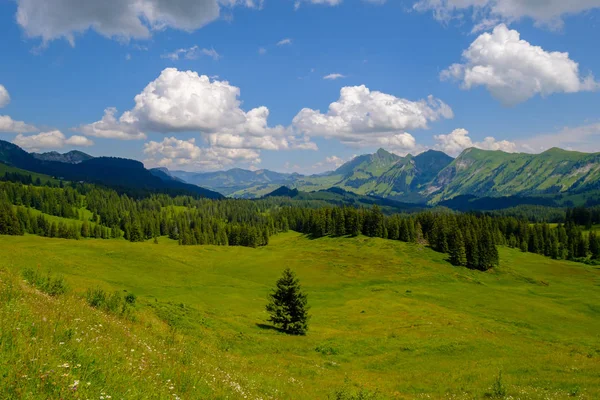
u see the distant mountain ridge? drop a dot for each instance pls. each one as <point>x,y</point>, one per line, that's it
<point>433,177</point>
<point>236,179</point>
<point>125,175</point>
<point>72,157</point>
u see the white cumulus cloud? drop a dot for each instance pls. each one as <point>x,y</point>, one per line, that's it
<point>543,12</point>
<point>122,19</point>
<point>513,70</point>
<point>50,140</point>
<point>111,128</point>
<point>183,101</point>
<point>365,118</point>
<point>4,97</point>
<point>7,124</point>
<point>458,140</point>
<point>185,154</point>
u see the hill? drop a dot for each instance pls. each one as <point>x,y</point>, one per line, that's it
<point>72,157</point>
<point>555,176</point>
<point>340,197</point>
<point>127,176</point>
<point>495,173</point>
<point>387,316</point>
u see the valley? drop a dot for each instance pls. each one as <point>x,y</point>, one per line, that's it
<point>383,313</point>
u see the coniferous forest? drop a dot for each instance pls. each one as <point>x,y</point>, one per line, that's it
<point>469,239</point>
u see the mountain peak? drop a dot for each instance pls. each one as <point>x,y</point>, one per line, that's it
<point>72,157</point>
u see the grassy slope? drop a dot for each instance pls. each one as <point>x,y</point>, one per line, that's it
<point>44,178</point>
<point>399,318</point>
<point>495,173</point>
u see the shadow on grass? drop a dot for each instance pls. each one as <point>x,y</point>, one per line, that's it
<point>269,328</point>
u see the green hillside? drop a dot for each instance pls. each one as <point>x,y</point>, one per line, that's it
<point>390,317</point>
<point>433,176</point>
<point>495,173</point>
<point>13,170</point>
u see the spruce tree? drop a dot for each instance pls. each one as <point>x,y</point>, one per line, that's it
<point>288,305</point>
<point>458,252</point>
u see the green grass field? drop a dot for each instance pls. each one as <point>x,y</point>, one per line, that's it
<point>393,318</point>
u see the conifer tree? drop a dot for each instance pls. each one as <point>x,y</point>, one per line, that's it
<point>458,252</point>
<point>288,305</point>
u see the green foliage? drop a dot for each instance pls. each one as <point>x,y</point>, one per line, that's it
<point>287,305</point>
<point>47,283</point>
<point>130,298</point>
<point>113,303</point>
<point>353,392</point>
<point>498,390</point>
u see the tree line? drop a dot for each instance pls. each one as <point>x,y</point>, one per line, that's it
<point>469,239</point>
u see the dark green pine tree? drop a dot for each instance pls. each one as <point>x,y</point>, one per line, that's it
<point>288,305</point>
<point>458,252</point>
<point>594,245</point>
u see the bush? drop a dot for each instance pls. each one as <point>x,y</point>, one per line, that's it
<point>52,285</point>
<point>498,388</point>
<point>113,303</point>
<point>130,298</point>
<point>95,297</point>
<point>352,392</point>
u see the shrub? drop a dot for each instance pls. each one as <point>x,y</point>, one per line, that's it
<point>348,392</point>
<point>326,349</point>
<point>50,284</point>
<point>113,303</point>
<point>498,390</point>
<point>130,298</point>
<point>95,297</point>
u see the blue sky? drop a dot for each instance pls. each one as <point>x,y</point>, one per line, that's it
<point>265,102</point>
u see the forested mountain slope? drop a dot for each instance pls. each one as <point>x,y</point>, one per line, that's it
<point>126,175</point>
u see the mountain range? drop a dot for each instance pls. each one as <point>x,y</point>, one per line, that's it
<point>475,177</point>
<point>431,177</point>
<point>126,176</point>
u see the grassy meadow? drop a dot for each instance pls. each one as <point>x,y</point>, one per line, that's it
<point>389,320</point>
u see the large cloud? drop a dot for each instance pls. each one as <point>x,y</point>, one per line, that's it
<point>543,12</point>
<point>365,118</point>
<point>183,101</point>
<point>185,154</point>
<point>7,124</point>
<point>124,19</point>
<point>513,70</point>
<point>458,140</point>
<point>4,97</point>
<point>50,140</point>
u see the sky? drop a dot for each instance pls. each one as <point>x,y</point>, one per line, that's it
<point>297,86</point>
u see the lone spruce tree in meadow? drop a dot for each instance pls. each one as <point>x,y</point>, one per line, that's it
<point>288,305</point>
